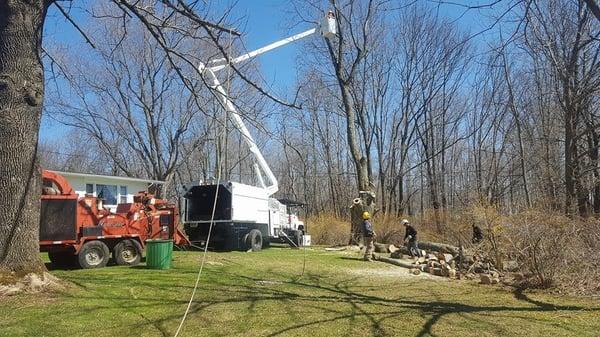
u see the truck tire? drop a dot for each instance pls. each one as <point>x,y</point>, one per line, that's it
<point>127,253</point>
<point>93,254</point>
<point>62,259</point>
<point>254,240</point>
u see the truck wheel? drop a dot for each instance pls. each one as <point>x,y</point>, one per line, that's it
<point>93,254</point>
<point>254,240</point>
<point>127,253</point>
<point>62,259</point>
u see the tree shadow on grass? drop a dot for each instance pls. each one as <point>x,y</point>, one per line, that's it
<point>312,291</point>
<point>395,307</point>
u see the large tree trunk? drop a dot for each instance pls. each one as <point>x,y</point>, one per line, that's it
<point>21,97</point>
<point>364,203</point>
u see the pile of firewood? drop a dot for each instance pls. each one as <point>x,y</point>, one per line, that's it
<point>440,264</point>
<point>442,260</point>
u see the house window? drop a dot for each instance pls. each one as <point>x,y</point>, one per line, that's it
<point>89,188</point>
<point>108,193</point>
<point>123,195</point>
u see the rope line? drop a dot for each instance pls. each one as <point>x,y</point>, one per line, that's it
<point>219,165</point>
<point>212,216</point>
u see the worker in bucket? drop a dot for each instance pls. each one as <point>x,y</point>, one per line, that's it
<point>368,236</point>
<point>410,239</point>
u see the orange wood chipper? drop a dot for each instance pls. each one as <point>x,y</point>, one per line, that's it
<point>79,231</point>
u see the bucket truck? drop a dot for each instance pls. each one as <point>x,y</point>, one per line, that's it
<point>245,217</point>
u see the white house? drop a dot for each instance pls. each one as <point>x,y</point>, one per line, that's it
<point>114,190</point>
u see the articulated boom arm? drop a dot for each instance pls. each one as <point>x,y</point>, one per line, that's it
<point>239,123</point>
<point>221,63</point>
<point>327,28</point>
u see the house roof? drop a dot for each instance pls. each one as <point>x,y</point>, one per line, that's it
<point>88,175</point>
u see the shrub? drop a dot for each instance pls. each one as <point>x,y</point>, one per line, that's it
<point>551,249</point>
<point>327,229</point>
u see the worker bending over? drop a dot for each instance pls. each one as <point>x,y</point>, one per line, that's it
<point>410,239</point>
<point>368,236</point>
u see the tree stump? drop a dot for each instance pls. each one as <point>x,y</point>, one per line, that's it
<point>364,203</point>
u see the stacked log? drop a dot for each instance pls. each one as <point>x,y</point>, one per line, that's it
<point>432,264</point>
<point>443,260</point>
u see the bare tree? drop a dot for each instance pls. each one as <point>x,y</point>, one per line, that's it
<point>130,102</point>
<point>570,45</point>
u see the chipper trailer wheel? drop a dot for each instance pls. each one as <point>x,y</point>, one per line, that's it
<point>93,254</point>
<point>127,253</point>
<point>254,240</point>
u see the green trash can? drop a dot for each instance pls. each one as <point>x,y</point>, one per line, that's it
<point>159,253</point>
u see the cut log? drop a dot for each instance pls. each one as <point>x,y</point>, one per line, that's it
<point>434,264</point>
<point>381,247</point>
<point>439,247</point>
<point>403,250</point>
<point>445,257</point>
<point>394,261</point>
<point>485,279</point>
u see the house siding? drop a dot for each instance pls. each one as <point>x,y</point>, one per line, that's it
<point>78,183</point>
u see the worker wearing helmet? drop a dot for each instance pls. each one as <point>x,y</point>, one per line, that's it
<point>410,239</point>
<point>368,236</point>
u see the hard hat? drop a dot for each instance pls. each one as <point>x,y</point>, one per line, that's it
<point>366,215</point>
<point>405,222</point>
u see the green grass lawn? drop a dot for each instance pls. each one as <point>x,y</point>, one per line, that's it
<point>264,294</point>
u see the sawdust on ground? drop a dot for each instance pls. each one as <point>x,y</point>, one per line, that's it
<point>383,269</point>
<point>390,271</point>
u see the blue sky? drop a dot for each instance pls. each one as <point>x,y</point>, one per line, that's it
<point>265,22</point>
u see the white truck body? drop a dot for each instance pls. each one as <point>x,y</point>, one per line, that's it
<point>239,209</point>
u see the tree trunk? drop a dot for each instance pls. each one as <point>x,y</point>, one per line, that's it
<point>21,98</point>
<point>517,118</point>
<point>570,161</point>
<point>594,158</point>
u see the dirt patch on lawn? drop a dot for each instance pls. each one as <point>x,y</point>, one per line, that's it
<point>390,271</point>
